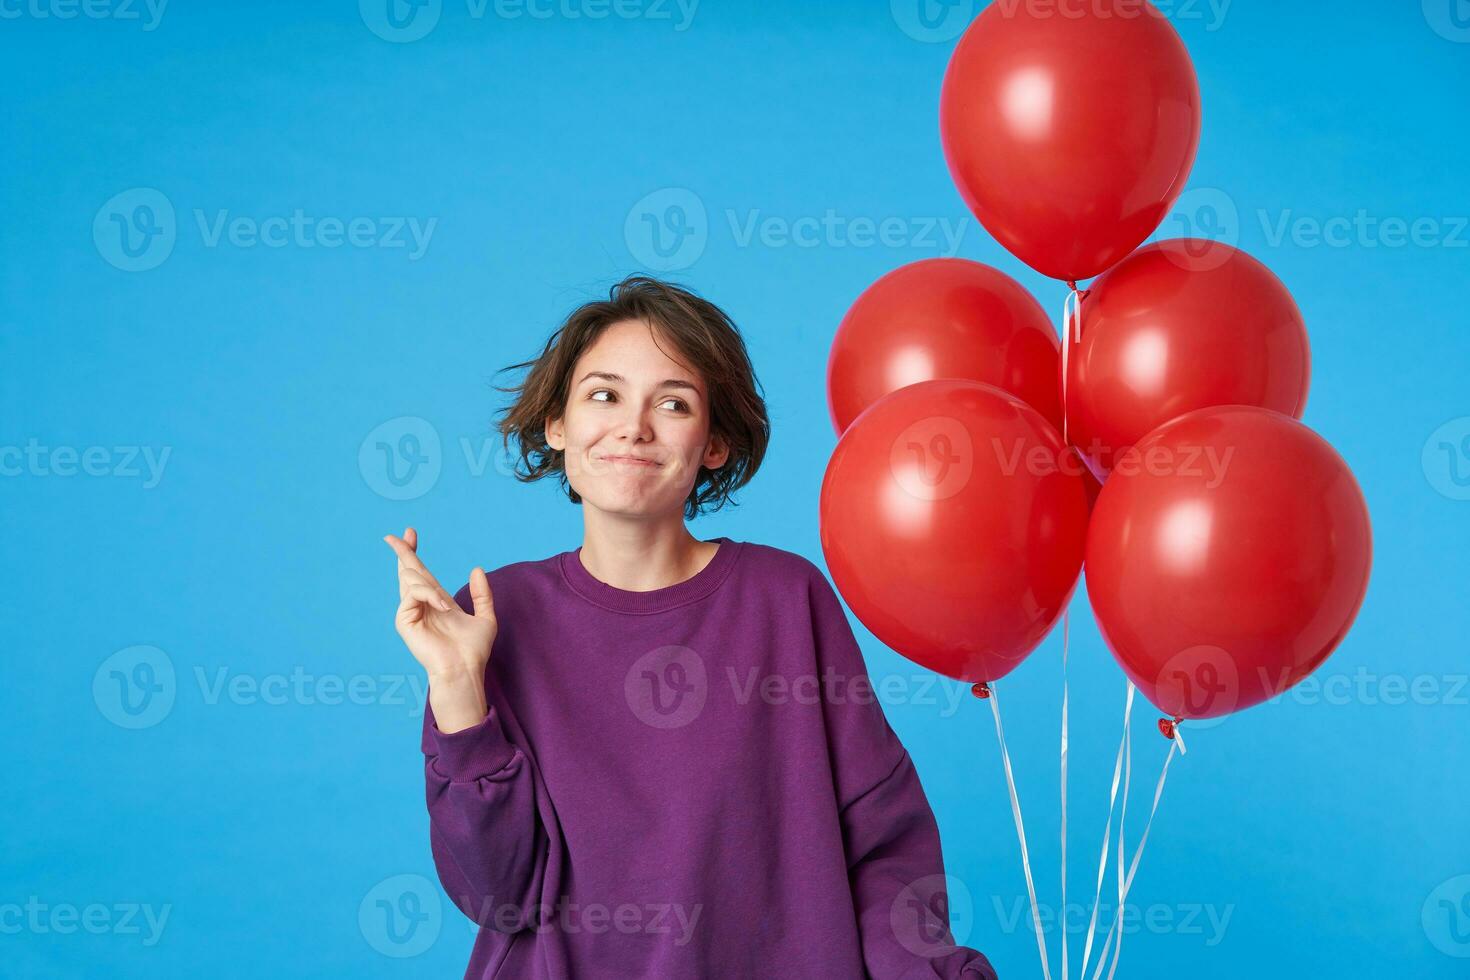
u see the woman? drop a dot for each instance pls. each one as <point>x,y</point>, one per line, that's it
<point>656,756</point>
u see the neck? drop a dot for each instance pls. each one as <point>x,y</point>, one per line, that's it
<point>641,556</point>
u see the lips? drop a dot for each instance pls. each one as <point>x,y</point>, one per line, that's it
<point>631,460</point>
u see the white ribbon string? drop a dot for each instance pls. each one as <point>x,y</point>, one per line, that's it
<point>1125,882</point>
<point>1122,824</point>
<point>1126,748</point>
<point>1005,757</point>
<point>1067,317</point>
<point>1066,617</point>
<point>1072,333</point>
<point>1133,866</point>
<point>1102,859</point>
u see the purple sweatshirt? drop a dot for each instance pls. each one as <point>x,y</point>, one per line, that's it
<point>691,782</point>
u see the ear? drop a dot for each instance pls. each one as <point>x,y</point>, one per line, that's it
<point>556,434</point>
<point>717,453</point>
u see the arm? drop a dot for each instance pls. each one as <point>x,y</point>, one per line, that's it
<point>489,845</point>
<point>894,860</point>
<point>488,841</point>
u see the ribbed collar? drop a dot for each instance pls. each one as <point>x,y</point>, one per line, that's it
<point>703,582</point>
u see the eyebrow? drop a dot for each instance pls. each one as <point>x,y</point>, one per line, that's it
<point>619,379</point>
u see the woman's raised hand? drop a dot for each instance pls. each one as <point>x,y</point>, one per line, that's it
<point>452,645</point>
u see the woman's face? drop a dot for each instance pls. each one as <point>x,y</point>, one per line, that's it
<point>636,427</point>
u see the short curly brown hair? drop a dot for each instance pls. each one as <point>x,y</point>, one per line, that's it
<point>701,332</point>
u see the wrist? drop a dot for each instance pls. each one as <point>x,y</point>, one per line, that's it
<point>467,675</point>
<point>458,700</point>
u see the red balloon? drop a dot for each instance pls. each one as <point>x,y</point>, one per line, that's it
<point>1094,488</point>
<point>1070,129</point>
<point>1176,326</point>
<point>953,519</point>
<point>943,318</point>
<point>1227,556</point>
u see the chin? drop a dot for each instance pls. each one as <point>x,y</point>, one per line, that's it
<point>610,501</point>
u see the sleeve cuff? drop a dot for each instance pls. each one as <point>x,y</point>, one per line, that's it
<point>478,751</point>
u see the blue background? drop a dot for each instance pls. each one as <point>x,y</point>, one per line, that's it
<point>271,822</point>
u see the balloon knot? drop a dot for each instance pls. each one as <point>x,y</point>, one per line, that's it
<point>1072,285</point>
<point>1168,727</point>
<point>981,690</point>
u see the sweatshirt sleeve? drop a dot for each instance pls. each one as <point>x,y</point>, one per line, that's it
<point>489,844</point>
<point>895,865</point>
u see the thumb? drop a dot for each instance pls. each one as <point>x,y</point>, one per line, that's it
<point>480,594</point>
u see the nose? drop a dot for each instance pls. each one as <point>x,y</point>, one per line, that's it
<point>635,425</point>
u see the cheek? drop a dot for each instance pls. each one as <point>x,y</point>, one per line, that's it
<point>581,431</point>
<point>684,440</point>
